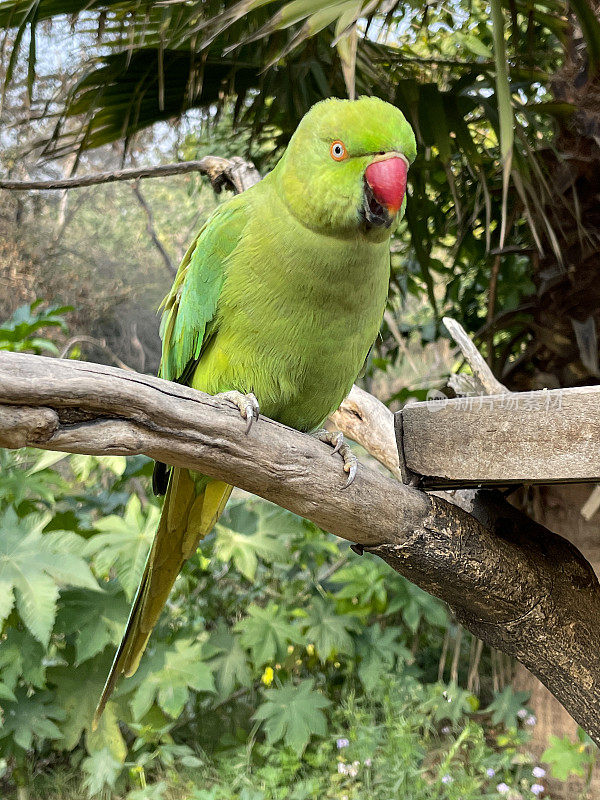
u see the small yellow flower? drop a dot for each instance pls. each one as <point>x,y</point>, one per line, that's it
<point>290,648</point>
<point>267,676</point>
<point>310,649</point>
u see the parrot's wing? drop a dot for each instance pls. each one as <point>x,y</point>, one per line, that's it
<point>189,309</point>
<point>189,511</point>
<point>188,320</point>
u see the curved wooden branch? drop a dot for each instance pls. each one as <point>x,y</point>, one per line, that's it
<point>476,361</point>
<point>364,419</point>
<point>513,583</point>
<point>235,173</point>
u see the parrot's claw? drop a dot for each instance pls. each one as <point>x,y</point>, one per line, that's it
<point>247,404</point>
<point>336,439</point>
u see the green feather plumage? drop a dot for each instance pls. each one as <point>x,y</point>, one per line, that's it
<point>281,294</point>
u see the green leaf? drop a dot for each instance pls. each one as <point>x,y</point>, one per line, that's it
<point>29,717</point>
<point>566,757</point>
<point>230,667</point>
<point>96,620</point>
<point>102,770</point>
<point>505,110</point>
<point>505,707</point>
<point>22,656</point>
<point>33,567</point>
<point>77,690</point>
<point>179,670</point>
<point>123,543</point>
<point>47,459</point>
<point>7,599</point>
<point>474,44</point>
<point>243,549</point>
<point>6,693</point>
<point>266,632</point>
<point>378,651</point>
<point>154,792</point>
<point>293,714</point>
<point>450,702</point>
<point>590,26</point>
<point>328,630</point>
<point>362,581</point>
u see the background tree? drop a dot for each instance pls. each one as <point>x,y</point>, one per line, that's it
<point>516,263</point>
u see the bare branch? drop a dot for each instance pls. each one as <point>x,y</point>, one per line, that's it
<point>510,581</point>
<point>474,358</point>
<point>99,344</point>
<point>151,230</point>
<point>234,173</point>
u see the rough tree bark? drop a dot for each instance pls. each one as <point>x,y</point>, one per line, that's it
<point>515,584</point>
<point>235,173</point>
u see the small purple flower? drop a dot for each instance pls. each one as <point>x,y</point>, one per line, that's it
<point>447,779</point>
<point>490,772</point>
<point>342,769</point>
<point>502,788</point>
<point>531,720</point>
<point>537,789</point>
<point>539,772</point>
<point>341,743</point>
<point>522,713</point>
<point>368,762</point>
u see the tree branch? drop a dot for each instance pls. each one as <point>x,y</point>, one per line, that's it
<point>476,361</point>
<point>234,173</point>
<point>513,583</point>
<point>100,344</point>
<point>151,230</point>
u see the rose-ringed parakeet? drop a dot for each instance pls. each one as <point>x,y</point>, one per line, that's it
<point>277,303</point>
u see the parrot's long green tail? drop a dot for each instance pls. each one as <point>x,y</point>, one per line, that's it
<point>190,511</point>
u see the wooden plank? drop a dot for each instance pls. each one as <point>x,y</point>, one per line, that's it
<point>522,437</point>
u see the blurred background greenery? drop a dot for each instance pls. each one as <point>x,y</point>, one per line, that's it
<point>285,666</point>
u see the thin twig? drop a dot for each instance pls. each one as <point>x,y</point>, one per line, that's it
<point>474,358</point>
<point>491,310</point>
<point>151,230</point>
<point>219,170</point>
<point>101,345</point>
<point>473,677</point>
<point>444,655</point>
<point>456,656</point>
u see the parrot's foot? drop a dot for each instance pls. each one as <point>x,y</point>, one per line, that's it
<point>247,404</point>
<point>336,439</point>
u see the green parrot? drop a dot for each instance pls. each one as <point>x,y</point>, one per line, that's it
<point>275,306</point>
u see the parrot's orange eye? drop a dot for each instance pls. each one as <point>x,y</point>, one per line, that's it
<point>338,151</point>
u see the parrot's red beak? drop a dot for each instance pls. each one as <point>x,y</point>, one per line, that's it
<point>386,178</point>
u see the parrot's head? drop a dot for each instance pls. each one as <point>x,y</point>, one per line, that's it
<point>344,171</point>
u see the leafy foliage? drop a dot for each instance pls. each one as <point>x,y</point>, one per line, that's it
<point>22,331</point>
<point>321,631</point>
<point>31,569</point>
<point>293,714</point>
<point>506,706</point>
<point>567,757</point>
<point>279,650</point>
